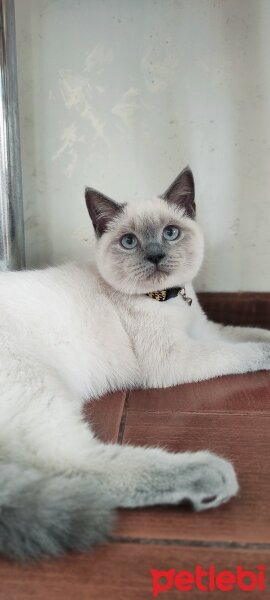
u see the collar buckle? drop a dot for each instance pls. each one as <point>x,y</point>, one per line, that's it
<point>182,292</point>
<point>163,295</point>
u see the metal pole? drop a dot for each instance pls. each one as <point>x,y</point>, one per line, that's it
<point>11,205</point>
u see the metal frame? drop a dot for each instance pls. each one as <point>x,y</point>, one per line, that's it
<point>12,254</point>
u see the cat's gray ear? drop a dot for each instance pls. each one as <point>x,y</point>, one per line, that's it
<point>182,193</point>
<point>102,209</point>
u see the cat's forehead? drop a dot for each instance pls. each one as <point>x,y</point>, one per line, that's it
<point>146,217</point>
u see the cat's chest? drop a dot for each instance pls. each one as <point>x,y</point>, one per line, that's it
<point>173,319</point>
<point>154,324</point>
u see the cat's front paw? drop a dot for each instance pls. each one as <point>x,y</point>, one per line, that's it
<point>265,354</point>
<point>213,481</point>
<point>263,335</point>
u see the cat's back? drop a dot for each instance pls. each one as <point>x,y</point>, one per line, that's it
<point>46,295</point>
<point>63,317</point>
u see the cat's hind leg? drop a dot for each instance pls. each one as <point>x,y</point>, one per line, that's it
<point>243,334</point>
<point>208,330</point>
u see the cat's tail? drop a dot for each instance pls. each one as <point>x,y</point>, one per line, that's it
<point>47,515</point>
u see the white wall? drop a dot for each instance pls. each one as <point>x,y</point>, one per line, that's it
<point>121,94</point>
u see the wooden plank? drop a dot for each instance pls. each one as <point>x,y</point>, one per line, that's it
<point>123,571</point>
<point>105,414</point>
<point>232,308</point>
<point>243,438</point>
<point>231,394</point>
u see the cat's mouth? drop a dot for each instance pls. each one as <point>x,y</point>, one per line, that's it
<point>157,272</point>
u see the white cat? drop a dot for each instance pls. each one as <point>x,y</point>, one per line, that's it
<point>77,331</point>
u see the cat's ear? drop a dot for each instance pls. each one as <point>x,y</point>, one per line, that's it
<point>182,193</point>
<point>102,209</point>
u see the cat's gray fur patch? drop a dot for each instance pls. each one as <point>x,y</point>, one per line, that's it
<point>47,515</point>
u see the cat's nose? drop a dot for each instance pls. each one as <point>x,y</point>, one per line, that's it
<point>154,253</point>
<point>155,258</point>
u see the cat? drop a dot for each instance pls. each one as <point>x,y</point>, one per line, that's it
<point>75,332</point>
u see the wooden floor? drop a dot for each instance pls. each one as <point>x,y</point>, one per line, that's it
<point>231,416</point>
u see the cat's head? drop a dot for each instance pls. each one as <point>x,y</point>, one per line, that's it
<point>147,246</point>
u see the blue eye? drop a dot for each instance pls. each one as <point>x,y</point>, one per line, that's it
<point>171,233</point>
<point>129,241</point>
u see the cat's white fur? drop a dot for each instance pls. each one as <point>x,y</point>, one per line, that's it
<point>68,335</point>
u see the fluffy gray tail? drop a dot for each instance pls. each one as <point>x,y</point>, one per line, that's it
<point>47,515</point>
